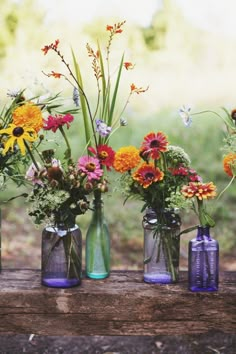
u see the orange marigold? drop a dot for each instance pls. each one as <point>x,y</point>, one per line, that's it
<point>126,158</point>
<point>229,163</point>
<point>28,115</point>
<point>199,190</point>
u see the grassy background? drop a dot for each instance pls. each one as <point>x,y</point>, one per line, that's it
<point>202,141</point>
<point>180,62</point>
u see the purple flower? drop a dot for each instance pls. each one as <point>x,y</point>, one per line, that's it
<point>91,167</point>
<point>102,128</point>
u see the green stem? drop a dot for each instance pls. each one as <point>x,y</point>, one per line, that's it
<point>66,141</point>
<point>217,114</point>
<point>31,155</point>
<point>228,185</point>
<point>167,242</point>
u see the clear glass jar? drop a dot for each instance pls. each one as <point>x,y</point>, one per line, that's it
<point>61,256</point>
<point>98,244</point>
<point>203,262</point>
<point>161,246</point>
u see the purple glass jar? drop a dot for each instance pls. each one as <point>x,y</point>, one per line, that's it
<point>61,256</point>
<point>203,265</point>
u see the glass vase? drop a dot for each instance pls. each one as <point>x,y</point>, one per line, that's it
<point>61,255</point>
<point>161,246</point>
<point>97,244</point>
<point>203,262</point>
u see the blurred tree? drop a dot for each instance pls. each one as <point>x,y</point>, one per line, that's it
<point>167,23</point>
<point>23,15</point>
<point>9,23</point>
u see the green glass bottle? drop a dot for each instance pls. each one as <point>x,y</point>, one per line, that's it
<point>97,244</point>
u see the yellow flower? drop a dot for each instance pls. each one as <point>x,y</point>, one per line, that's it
<point>18,135</point>
<point>28,115</point>
<point>126,158</point>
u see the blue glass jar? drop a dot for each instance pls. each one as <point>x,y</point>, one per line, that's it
<point>203,265</point>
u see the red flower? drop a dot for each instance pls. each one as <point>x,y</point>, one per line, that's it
<point>53,123</point>
<point>153,144</point>
<point>53,46</point>
<point>109,28</point>
<point>128,65</point>
<point>199,190</point>
<point>116,28</point>
<point>147,174</point>
<point>179,171</point>
<point>105,154</point>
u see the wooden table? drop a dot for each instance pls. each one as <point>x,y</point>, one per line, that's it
<point>119,305</point>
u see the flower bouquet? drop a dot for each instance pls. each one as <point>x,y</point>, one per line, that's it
<point>100,120</point>
<point>155,174</point>
<point>203,249</point>
<point>20,122</point>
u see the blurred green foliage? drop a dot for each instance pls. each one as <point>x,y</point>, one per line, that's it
<point>180,63</point>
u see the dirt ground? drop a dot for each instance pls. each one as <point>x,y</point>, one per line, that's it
<point>209,343</point>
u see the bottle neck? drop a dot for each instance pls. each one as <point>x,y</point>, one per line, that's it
<point>98,209</point>
<point>203,231</point>
<point>64,221</point>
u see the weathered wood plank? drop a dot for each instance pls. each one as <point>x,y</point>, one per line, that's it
<point>119,305</point>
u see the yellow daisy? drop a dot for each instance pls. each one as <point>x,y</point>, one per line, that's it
<point>18,135</point>
<point>28,115</point>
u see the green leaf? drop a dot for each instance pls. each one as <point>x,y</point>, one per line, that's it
<point>82,98</point>
<point>113,102</point>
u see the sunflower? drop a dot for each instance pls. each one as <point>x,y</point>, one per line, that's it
<point>126,158</point>
<point>147,174</point>
<point>28,115</point>
<point>18,135</point>
<point>229,163</point>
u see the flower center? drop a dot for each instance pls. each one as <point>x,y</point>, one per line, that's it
<point>103,155</point>
<point>149,176</point>
<point>18,131</point>
<point>154,143</point>
<point>90,167</point>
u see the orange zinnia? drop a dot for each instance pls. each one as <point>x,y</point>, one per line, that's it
<point>147,174</point>
<point>229,163</point>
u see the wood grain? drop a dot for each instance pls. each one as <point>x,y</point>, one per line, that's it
<point>119,305</point>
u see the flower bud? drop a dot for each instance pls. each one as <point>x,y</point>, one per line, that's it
<point>233,114</point>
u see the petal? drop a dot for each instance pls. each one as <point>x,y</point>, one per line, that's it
<point>21,144</point>
<point>9,145</point>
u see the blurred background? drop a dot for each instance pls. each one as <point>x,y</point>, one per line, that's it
<point>183,50</point>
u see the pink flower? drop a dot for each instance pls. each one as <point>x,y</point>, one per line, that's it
<point>33,174</point>
<point>90,166</point>
<point>53,123</point>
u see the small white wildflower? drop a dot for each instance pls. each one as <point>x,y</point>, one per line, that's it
<point>184,113</point>
<point>13,93</point>
<point>123,122</point>
<point>76,98</point>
